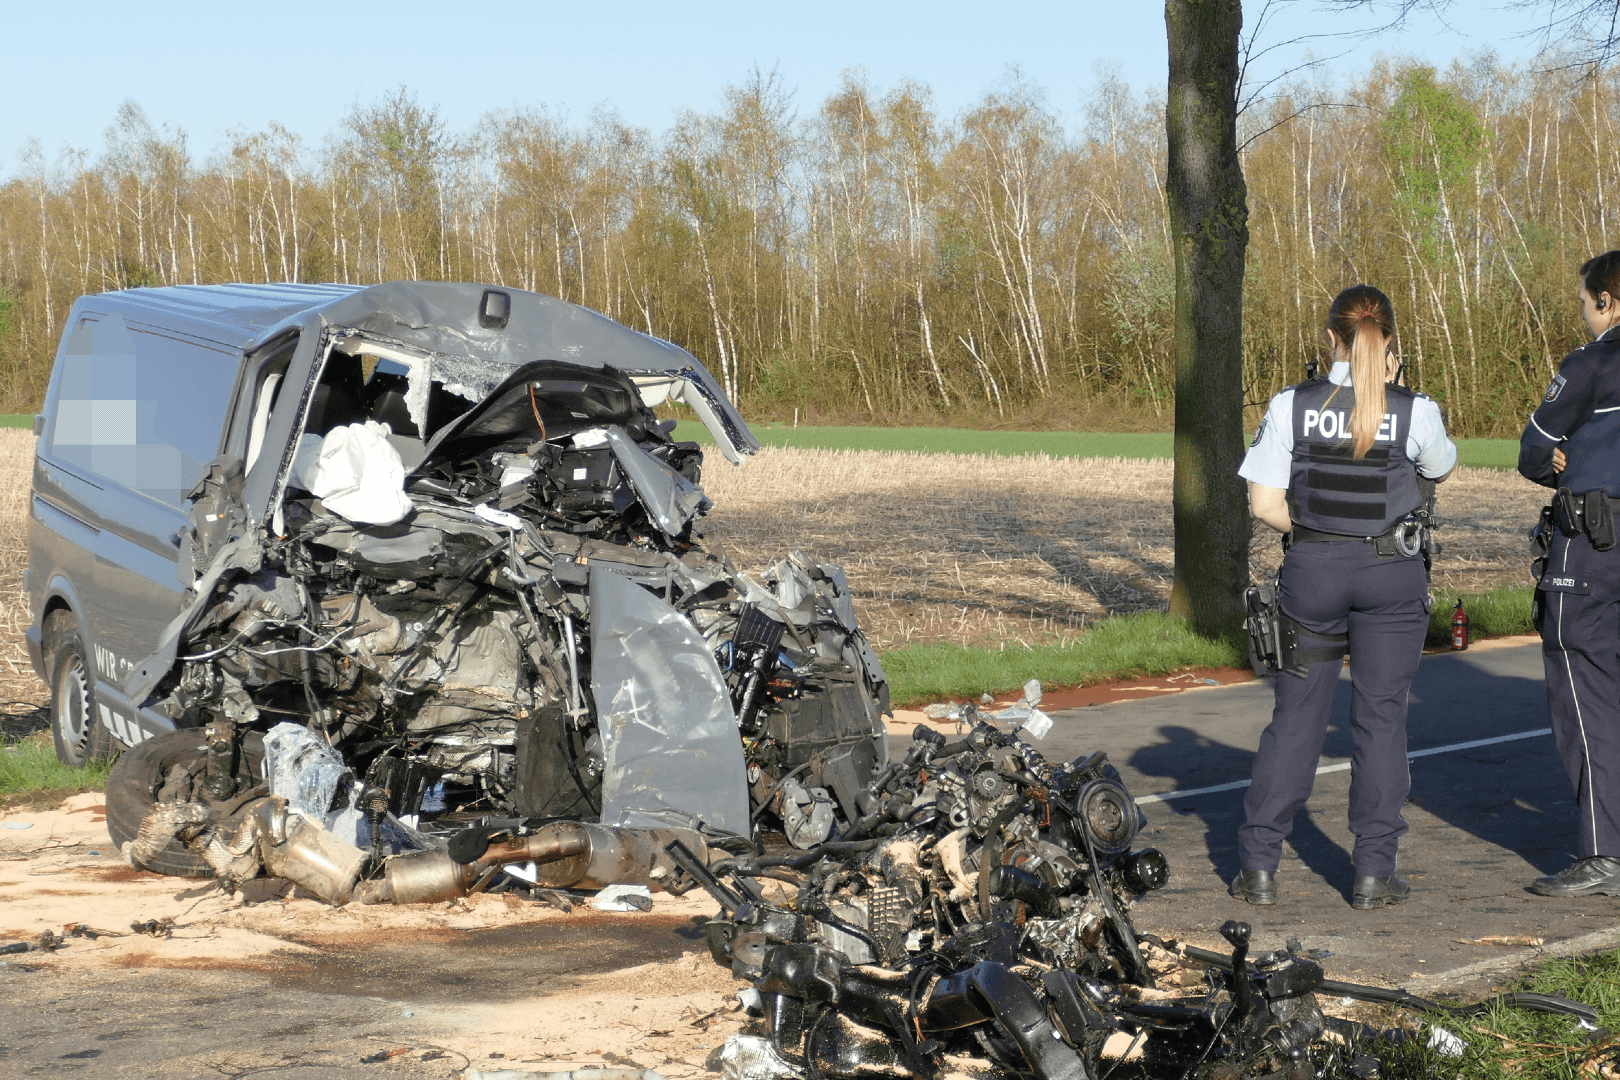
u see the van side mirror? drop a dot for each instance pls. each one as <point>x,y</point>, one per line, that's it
<point>39,424</point>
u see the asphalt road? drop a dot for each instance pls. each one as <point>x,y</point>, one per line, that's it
<point>1485,821</point>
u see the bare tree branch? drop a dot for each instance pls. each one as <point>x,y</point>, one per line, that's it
<point>1590,29</point>
<point>1297,113</point>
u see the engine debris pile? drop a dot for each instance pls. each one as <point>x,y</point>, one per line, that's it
<point>979,917</point>
<point>525,622</point>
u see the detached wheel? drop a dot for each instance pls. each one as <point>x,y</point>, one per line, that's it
<point>73,694</point>
<point>143,771</point>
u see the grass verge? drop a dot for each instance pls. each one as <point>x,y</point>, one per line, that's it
<point>1130,646</point>
<point>30,774</point>
<point>1526,1045</point>
<point>16,420</point>
<point>1498,613</point>
<point>1150,643</point>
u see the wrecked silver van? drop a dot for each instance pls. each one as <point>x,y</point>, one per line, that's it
<point>439,528</point>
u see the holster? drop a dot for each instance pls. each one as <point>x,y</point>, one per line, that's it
<point>1591,513</point>
<point>1599,519</point>
<point>1263,622</point>
<point>1274,637</point>
<point>1541,542</point>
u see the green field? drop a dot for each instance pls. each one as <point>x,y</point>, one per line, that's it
<point>1479,453</point>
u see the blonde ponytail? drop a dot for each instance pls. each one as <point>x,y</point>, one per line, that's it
<point>1363,321</point>
<point>1367,376</point>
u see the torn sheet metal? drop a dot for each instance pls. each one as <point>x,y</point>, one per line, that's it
<point>696,389</point>
<point>472,654</point>
<point>672,752</point>
<point>672,501</point>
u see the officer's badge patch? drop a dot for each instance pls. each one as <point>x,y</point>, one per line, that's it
<point>1260,432</point>
<point>1556,387</point>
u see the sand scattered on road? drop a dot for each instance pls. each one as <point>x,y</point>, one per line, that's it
<point>64,870</point>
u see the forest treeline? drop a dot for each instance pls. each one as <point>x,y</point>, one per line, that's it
<point>873,260</point>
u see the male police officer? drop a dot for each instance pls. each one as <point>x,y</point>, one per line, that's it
<point>1572,443</point>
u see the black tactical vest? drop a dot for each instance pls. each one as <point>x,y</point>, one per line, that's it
<point>1332,491</point>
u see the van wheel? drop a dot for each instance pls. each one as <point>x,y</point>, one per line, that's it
<point>144,770</point>
<point>73,694</point>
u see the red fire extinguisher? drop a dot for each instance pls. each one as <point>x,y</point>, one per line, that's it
<point>1459,627</point>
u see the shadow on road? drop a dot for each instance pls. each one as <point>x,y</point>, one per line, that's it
<point>1513,796</point>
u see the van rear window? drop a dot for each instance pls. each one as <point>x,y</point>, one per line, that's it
<point>141,409</point>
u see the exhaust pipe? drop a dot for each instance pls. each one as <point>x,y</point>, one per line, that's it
<point>601,854</point>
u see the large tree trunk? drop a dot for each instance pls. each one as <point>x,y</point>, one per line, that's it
<point>1208,223</point>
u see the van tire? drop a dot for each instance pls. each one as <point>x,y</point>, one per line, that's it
<point>104,745</point>
<point>73,713</point>
<point>138,775</point>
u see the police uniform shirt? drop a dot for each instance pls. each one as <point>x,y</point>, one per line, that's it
<point>1271,454</point>
<point>1581,412</point>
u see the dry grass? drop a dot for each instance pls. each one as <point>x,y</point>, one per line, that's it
<point>981,550</point>
<point>959,548</point>
<point>18,683</point>
<point>944,548</point>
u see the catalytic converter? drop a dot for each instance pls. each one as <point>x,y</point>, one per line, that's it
<point>564,854</point>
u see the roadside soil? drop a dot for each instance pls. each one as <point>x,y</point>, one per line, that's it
<point>465,977</point>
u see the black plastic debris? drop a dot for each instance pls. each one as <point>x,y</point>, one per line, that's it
<point>45,941</point>
<point>978,915</point>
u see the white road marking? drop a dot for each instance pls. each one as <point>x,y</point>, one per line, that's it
<point>1166,796</point>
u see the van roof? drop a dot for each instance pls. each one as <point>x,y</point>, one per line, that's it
<point>435,317</point>
<point>235,315</point>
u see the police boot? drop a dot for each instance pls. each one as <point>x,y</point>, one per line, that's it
<point>1255,886</point>
<point>1374,892</point>
<point>1598,875</point>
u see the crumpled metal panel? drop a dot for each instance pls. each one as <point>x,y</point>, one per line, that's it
<point>670,498</point>
<point>672,751</point>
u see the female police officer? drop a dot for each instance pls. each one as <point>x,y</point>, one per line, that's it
<point>1578,597</point>
<point>1336,465</point>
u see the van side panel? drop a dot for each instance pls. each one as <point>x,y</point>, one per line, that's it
<point>131,422</point>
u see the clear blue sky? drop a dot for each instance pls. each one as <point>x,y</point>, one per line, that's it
<point>208,68</point>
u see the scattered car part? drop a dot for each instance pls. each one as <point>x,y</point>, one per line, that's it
<point>979,917</point>
<point>45,941</point>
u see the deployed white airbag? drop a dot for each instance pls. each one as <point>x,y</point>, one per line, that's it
<point>356,472</point>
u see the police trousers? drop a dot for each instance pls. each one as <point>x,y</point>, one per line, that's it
<point>1578,614</point>
<point>1337,587</point>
